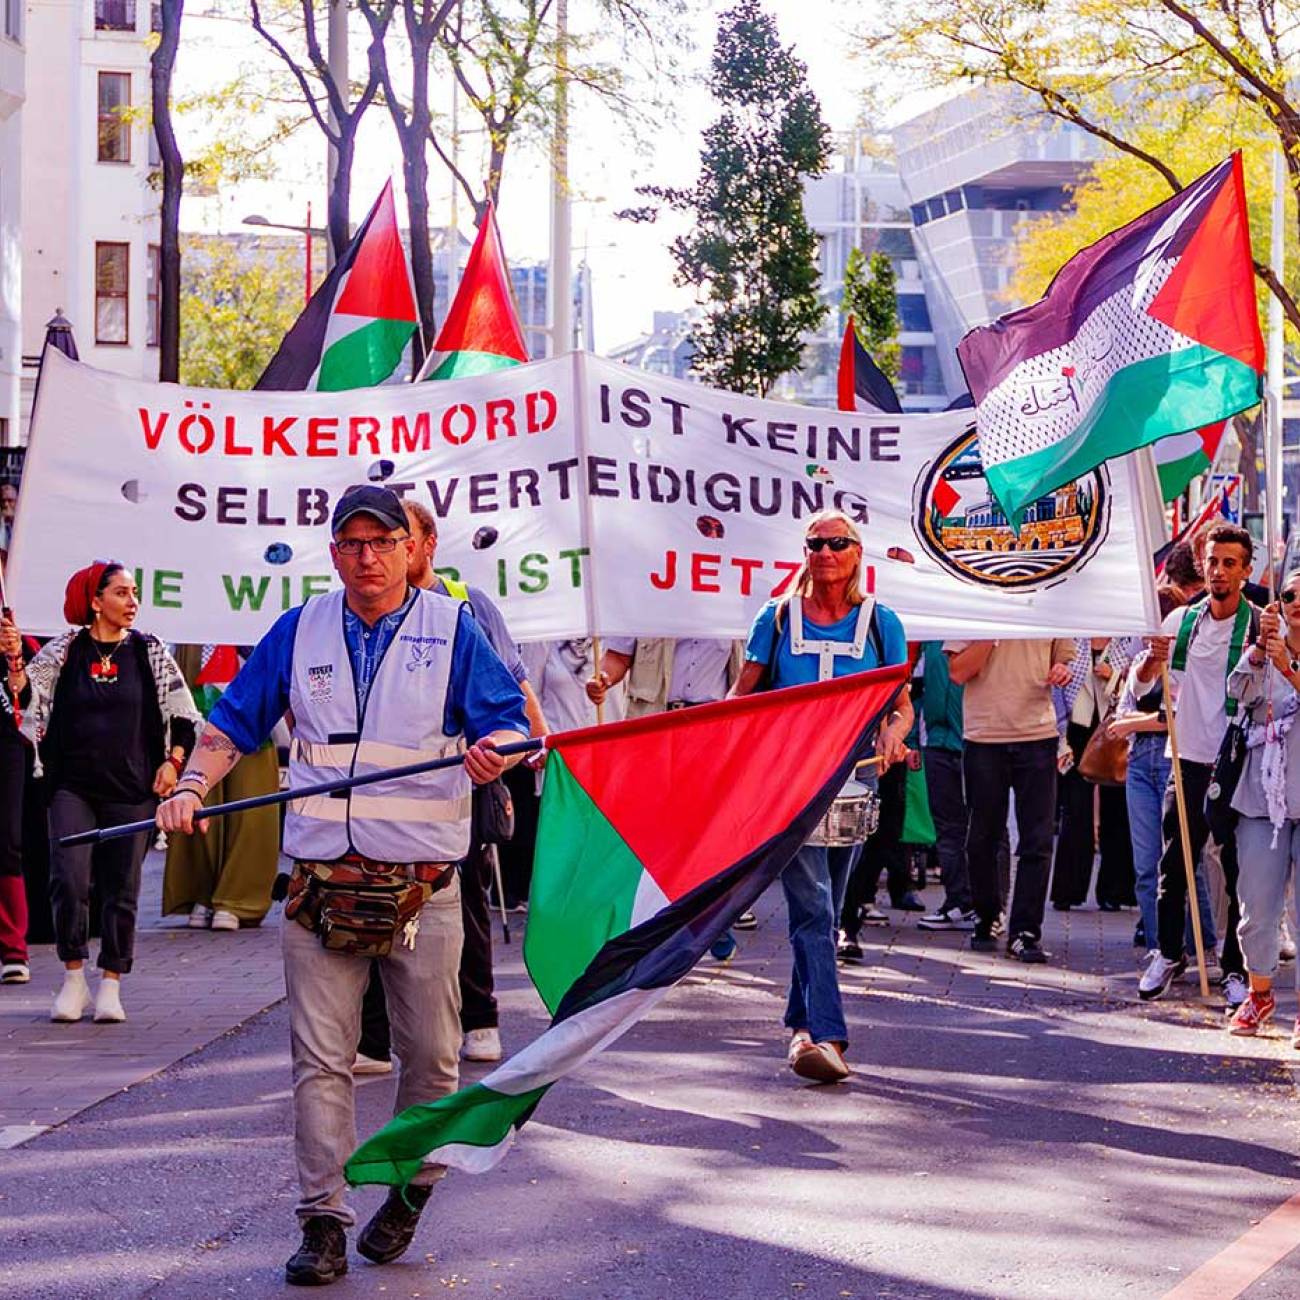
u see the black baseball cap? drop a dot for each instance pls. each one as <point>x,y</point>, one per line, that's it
<point>369,499</point>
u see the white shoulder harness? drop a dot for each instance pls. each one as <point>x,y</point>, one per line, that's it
<point>827,650</point>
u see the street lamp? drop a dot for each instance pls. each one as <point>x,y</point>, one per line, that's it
<point>307,231</point>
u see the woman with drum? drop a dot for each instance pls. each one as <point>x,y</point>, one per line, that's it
<point>823,627</point>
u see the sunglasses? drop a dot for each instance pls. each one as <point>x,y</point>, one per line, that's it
<point>1286,597</point>
<point>816,544</point>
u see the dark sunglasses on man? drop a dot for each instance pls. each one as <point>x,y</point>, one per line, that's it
<point>835,543</point>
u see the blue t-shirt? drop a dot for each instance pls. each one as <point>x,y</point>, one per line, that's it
<point>787,669</point>
<point>482,695</point>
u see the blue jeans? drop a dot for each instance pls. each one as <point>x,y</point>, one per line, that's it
<point>1149,771</point>
<point>1262,886</point>
<point>814,885</point>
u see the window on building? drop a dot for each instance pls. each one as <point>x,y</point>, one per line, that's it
<point>114,126</point>
<point>913,315</point>
<point>14,19</point>
<point>155,154</point>
<point>115,15</point>
<point>112,292</point>
<point>153,297</point>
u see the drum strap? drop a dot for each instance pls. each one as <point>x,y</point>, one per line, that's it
<point>827,650</point>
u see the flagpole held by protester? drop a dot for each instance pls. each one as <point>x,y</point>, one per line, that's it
<point>1181,800</point>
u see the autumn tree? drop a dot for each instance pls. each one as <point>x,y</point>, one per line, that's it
<point>752,256</point>
<point>1116,68</point>
<point>238,300</point>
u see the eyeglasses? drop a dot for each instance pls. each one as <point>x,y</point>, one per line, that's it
<point>353,546</point>
<point>815,544</point>
<point>1286,597</point>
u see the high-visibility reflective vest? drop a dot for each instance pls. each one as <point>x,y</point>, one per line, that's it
<point>413,819</point>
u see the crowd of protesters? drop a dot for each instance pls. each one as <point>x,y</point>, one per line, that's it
<point>1054,755</point>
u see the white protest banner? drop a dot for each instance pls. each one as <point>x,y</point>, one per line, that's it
<point>583,496</point>
<point>221,500</point>
<point>698,497</point>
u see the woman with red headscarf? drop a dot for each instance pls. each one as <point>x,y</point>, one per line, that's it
<point>114,722</point>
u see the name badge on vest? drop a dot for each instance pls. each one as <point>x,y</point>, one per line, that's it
<point>320,683</point>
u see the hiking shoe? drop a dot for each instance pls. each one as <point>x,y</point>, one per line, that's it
<point>909,902</point>
<point>820,1062</point>
<point>15,972</point>
<point>946,918</point>
<point>1159,975</point>
<point>1026,948</point>
<point>1256,1011</point>
<point>481,1045</point>
<point>982,940</point>
<point>1235,991</point>
<point>389,1233</point>
<point>849,950</point>
<point>870,914</point>
<point>723,948</point>
<point>323,1256</point>
<point>746,921</point>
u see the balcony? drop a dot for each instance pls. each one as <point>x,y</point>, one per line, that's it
<point>115,15</point>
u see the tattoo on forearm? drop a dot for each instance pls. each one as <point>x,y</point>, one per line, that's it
<point>218,743</point>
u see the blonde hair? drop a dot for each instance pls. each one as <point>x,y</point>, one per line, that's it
<point>802,582</point>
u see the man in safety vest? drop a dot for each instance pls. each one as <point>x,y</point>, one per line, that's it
<point>375,676</point>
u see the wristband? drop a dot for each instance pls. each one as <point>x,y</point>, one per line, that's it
<point>184,789</point>
<point>176,763</point>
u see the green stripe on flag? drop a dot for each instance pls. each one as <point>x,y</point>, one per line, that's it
<point>461,365</point>
<point>1142,403</point>
<point>473,1117</point>
<point>1175,475</point>
<point>585,880</point>
<point>365,357</point>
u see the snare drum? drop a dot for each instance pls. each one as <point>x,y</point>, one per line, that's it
<point>851,819</point>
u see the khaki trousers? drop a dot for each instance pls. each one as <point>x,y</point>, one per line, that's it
<point>325,991</point>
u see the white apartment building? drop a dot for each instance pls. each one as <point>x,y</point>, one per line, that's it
<point>89,216</point>
<point>12,91</point>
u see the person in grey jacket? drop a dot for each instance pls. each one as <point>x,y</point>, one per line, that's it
<point>1266,681</point>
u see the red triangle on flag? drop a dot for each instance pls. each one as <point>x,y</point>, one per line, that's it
<point>378,284</point>
<point>1210,294</point>
<point>482,318</point>
<point>221,669</point>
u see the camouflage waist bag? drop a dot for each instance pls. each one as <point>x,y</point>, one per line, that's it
<point>358,911</point>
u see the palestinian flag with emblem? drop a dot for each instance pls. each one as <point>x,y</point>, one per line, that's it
<point>655,834</point>
<point>1150,332</point>
<point>354,331</point>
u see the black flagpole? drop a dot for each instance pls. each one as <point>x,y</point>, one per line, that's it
<point>98,836</point>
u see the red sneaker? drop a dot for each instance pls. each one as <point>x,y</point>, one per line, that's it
<point>1257,1010</point>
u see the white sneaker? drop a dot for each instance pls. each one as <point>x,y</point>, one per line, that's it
<point>481,1045</point>
<point>71,999</point>
<point>1285,943</point>
<point>200,917</point>
<point>1235,990</point>
<point>108,1003</point>
<point>370,1065</point>
<point>1159,975</point>
<point>223,920</point>
<point>15,972</point>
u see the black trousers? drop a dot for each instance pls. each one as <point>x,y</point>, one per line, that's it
<point>883,853</point>
<point>517,853</point>
<point>15,761</point>
<point>943,783</point>
<point>1171,900</point>
<point>1076,841</point>
<point>478,1004</point>
<point>1116,878</point>
<point>116,870</point>
<point>376,1037</point>
<point>992,772</point>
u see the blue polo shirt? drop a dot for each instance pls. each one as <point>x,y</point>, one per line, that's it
<point>767,646</point>
<point>482,696</point>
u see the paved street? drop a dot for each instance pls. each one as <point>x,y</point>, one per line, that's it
<point>1010,1132</point>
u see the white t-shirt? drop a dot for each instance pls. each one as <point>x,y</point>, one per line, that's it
<point>1202,688</point>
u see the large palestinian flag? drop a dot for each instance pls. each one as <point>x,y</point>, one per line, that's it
<point>1150,332</point>
<point>655,834</point>
<point>355,328</point>
<point>481,331</point>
